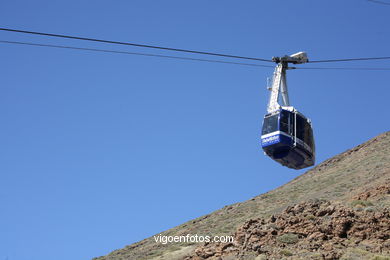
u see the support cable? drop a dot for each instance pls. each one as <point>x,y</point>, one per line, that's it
<point>133,44</point>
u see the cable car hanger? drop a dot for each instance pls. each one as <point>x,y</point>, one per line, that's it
<point>279,84</point>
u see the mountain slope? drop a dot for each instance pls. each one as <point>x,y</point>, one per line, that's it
<point>316,229</point>
<point>357,174</point>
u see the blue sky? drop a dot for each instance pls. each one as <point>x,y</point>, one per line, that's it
<point>99,151</point>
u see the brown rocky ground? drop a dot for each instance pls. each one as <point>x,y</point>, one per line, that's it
<point>316,229</point>
<point>354,183</point>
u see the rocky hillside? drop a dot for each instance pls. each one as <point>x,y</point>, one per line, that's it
<point>309,230</point>
<point>336,210</point>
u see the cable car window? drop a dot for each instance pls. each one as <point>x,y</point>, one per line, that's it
<point>270,124</point>
<point>300,127</point>
<point>304,131</point>
<point>284,121</point>
<point>308,138</point>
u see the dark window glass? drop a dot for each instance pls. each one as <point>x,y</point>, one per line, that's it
<point>308,135</point>
<point>304,131</point>
<point>300,127</point>
<point>284,121</point>
<point>270,124</point>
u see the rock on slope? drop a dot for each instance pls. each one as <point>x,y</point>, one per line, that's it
<point>353,182</point>
<point>308,230</point>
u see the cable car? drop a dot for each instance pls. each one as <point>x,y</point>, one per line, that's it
<point>287,135</point>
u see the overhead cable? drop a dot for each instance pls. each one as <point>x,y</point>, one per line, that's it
<point>180,58</point>
<point>379,2</point>
<point>133,53</point>
<point>340,68</point>
<point>351,59</point>
<point>133,44</point>
<point>176,49</point>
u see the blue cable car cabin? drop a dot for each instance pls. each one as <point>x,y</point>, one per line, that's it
<point>287,137</point>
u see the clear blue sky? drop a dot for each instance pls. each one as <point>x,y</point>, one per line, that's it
<point>99,151</point>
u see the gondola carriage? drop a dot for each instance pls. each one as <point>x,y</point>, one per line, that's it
<point>287,137</point>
